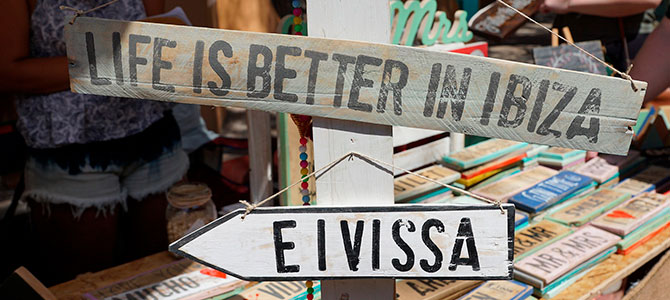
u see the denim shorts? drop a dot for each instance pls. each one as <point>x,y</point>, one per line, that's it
<point>104,174</point>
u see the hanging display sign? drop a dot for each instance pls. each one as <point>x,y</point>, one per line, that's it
<point>368,82</point>
<point>400,241</point>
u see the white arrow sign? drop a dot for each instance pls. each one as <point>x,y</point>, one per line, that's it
<point>374,83</point>
<point>400,241</point>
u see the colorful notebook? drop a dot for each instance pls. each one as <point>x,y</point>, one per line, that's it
<point>536,236</point>
<point>512,185</point>
<point>408,186</point>
<point>481,153</point>
<point>560,257</point>
<point>550,191</point>
<point>628,216</point>
<point>589,207</point>
<point>500,290</point>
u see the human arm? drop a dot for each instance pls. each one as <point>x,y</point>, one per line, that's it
<point>652,61</point>
<point>602,8</point>
<point>19,73</point>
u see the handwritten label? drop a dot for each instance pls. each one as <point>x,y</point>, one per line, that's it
<point>534,237</point>
<point>558,258</point>
<point>420,20</point>
<point>367,82</point>
<point>598,169</point>
<point>589,207</point>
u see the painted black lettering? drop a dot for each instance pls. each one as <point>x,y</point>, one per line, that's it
<point>92,65</point>
<point>291,290</point>
<point>254,71</point>
<point>537,107</point>
<point>545,126</point>
<point>159,63</point>
<point>353,251</point>
<point>465,235</point>
<point>359,81</point>
<point>280,246</point>
<point>396,87</point>
<point>425,236</point>
<point>432,89</point>
<point>227,50</point>
<point>321,241</point>
<point>538,233</point>
<point>273,290</point>
<point>281,73</point>
<point>155,288</point>
<point>434,284</point>
<point>517,101</point>
<point>344,60</point>
<point>590,106</point>
<point>419,289</point>
<point>490,99</point>
<point>395,233</point>
<point>316,58</point>
<point>197,66</point>
<point>118,58</point>
<point>449,90</point>
<point>376,224</point>
<point>189,282</point>
<point>174,286</point>
<point>542,264</point>
<point>133,60</point>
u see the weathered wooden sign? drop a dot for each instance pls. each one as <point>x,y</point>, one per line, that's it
<point>408,186</point>
<point>589,207</point>
<point>400,241</point>
<point>374,83</point>
<point>536,236</point>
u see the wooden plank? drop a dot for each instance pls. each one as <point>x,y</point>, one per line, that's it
<point>260,155</point>
<point>433,289</point>
<point>598,169</point>
<point>615,268</point>
<point>655,284</point>
<point>481,153</point>
<point>570,58</point>
<point>354,81</point>
<point>536,236</point>
<point>587,208</point>
<point>345,184</point>
<point>560,257</point>
<point>279,290</point>
<point>402,241</point>
<point>408,186</point>
<point>629,215</point>
<point>500,290</point>
<point>496,20</point>
<point>419,156</point>
<point>550,191</point>
<point>22,284</point>
<point>509,186</point>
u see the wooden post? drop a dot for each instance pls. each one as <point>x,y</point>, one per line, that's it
<point>260,155</point>
<point>351,181</point>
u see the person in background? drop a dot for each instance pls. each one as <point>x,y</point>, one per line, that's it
<point>97,167</point>
<point>615,23</point>
<point>652,63</point>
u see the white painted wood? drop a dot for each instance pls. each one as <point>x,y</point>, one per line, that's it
<point>283,243</point>
<point>457,142</point>
<point>260,155</point>
<point>405,135</point>
<point>348,183</point>
<point>420,156</point>
<point>159,69</point>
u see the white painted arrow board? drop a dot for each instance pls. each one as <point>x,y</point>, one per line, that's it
<point>400,241</point>
<point>368,82</point>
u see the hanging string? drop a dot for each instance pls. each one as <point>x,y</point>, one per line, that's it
<point>350,155</point>
<point>79,12</point>
<point>622,74</point>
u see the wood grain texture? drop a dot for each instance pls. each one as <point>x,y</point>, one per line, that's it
<point>423,155</point>
<point>382,84</point>
<point>344,184</point>
<point>631,214</point>
<point>615,268</point>
<point>536,236</point>
<point>409,186</point>
<point>509,186</point>
<point>260,155</point>
<point>433,289</point>
<point>589,207</point>
<point>410,241</point>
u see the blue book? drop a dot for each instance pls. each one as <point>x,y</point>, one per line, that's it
<point>520,218</point>
<point>550,191</point>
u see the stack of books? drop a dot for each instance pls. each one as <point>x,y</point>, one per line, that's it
<point>561,158</point>
<point>644,181</point>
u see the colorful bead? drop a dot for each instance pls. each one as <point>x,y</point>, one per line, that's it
<point>303,156</point>
<point>304,171</point>
<point>297,11</point>
<point>297,33</point>
<point>305,199</point>
<point>303,141</point>
<point>302,148</point>
<point>296,3</point>
<point>305,192</point>
<point>297,20</point>
<point>309,283</point>
<point>303,164</point>
<point>297,27</point>
<point>310,290</point>
<point>306,204</point>
<point>304,185</point>
<point>310,296</point>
